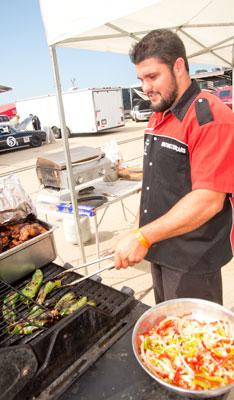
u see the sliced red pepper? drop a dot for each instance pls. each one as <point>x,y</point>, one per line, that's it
<point>162,375</point>
<point>222,363</point>
<point>177,376</point>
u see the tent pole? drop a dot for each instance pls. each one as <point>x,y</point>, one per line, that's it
<point>73,193</point>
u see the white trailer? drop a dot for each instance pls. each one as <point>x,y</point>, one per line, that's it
<point>86,110</point>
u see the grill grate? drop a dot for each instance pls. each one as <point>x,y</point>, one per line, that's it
<point>15,312</point>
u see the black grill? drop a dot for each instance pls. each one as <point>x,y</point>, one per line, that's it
<point>58,346</point>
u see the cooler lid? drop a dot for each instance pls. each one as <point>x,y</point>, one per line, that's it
<point>78,155</point>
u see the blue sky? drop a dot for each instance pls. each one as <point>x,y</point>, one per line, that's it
<point>25,59</point>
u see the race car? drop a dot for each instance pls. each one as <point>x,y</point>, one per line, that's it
<point>12,138</point>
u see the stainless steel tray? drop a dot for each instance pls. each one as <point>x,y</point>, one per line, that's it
<point>28,256</point>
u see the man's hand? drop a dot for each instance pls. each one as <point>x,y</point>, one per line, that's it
<point>129,251</point>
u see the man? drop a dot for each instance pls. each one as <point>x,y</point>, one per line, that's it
<point>15,121</point>
<point>36,123</point>
<point>185,219</point>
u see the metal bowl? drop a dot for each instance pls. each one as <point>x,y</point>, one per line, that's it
<point>201,310</point>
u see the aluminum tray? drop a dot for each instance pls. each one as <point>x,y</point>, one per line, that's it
<point>26,257</point>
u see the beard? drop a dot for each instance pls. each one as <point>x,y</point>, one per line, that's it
<point>169,98</point>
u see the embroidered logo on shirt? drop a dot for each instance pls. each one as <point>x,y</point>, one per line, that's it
<point>173,147</point>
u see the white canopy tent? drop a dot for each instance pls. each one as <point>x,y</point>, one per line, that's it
<point>205,26</point>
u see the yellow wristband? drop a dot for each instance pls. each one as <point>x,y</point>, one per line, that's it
<point>142,239</point>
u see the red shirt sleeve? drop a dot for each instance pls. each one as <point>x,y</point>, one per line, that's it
<point>211,148</point>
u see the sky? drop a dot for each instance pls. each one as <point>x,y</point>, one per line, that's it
<point>26,65</point>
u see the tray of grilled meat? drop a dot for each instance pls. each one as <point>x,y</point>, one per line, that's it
<point>46,325</point>
<point>24,246</point>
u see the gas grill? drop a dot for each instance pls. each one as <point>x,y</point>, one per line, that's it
<point>86,355</point>
<point>52,350</point>
<point>87,164</point>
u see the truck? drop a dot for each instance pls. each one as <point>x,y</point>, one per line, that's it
<point>133,95</point>
<point>86,110</point>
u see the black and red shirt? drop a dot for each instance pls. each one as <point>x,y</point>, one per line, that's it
<point>187,148</point>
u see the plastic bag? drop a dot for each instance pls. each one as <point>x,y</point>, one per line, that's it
<point>15,204</point>
<point>112,151</point>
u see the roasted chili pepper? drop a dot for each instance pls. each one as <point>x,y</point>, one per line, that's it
<point>64,300</point>
<point>52,301</point>
<point>73,307</point>
<point>65,308</point>
<point>32,287</point>
<point>92,303</point>
<point>9,306</point>
<point>26,328</point>
<point>46,289</point>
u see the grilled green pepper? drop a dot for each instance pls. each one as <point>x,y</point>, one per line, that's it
<point>32,287</point>
<point>9,306</point>
<point>64,300</point>
<point>52,301</point>
<point>46,289</point>
<point>73,307</point>
<point>92,303</point>
<point>26,328</point>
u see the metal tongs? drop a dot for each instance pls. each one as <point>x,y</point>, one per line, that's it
<point>110,266</point>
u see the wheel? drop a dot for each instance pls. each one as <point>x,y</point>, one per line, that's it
<point>68,132</point>
<point>56,132</point>
<point>36,140</point>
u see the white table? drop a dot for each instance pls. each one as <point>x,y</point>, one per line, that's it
<point>117,191</point>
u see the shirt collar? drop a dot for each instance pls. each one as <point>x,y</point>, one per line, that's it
<point>180,108</point>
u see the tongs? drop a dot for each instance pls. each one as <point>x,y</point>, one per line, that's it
<point>110,266</point>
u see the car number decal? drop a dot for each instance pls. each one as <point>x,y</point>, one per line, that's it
<point>11,141</point>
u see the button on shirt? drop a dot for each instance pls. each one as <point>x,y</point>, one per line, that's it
<point>190,147</point>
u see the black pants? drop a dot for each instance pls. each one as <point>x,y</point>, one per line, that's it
<point>170,284</point>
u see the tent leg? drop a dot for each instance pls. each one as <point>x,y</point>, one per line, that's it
<point>73,193</point>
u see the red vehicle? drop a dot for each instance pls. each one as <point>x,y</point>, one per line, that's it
<point>225,95</point>
<point>8,109</point>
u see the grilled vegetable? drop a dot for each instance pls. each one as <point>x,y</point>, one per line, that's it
<point>8,307</point>
<point>73,307</point>
<point>35,312</point>
<point>46,289</point>
<point>26,328</point>
<point>92,303</point>
<point>64,300</point>
<point>52,301</point>
<point>32,287</point>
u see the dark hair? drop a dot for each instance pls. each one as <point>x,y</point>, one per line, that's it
<point>162,44</point>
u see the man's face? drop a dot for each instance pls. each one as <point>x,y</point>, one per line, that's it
<point>158,82</point>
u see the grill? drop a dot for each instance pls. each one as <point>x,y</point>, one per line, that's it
<point>42,356</point>
<point>86,355</point>
<point>87,164</point>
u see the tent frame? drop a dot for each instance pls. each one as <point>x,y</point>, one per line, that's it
<point>65,38</point>
<point>67,150</point>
